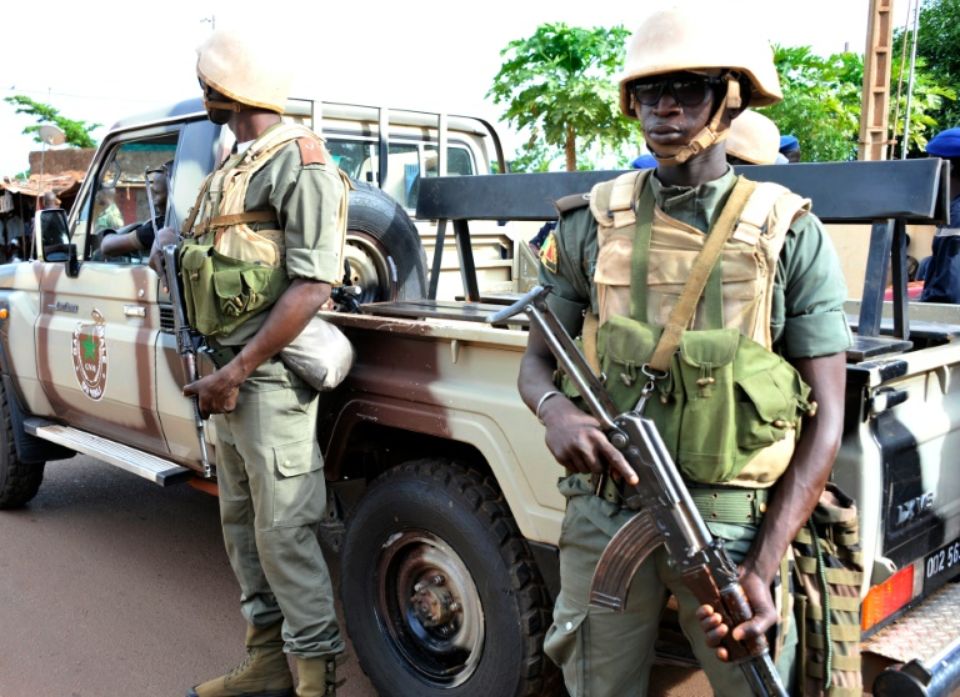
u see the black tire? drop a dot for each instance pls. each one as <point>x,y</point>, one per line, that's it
<point>440,593</point>
<point>384,252</point>
<point>19,481</point>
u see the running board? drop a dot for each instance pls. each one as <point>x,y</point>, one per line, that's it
<point>156,469</point>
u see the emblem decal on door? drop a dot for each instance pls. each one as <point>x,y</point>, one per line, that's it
<point>90,356</point>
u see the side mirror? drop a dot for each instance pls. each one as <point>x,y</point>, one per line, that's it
<point>51,234</point>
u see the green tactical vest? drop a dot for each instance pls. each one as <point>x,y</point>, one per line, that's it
<point>230,271</point>
<point>727,400</point>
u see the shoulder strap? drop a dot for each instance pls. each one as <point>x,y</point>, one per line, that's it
<point>616,196</point>
<point>702,266</point>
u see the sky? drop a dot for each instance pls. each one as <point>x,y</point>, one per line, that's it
<point>104,60</point>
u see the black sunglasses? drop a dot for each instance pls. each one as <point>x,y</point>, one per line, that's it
<point>686,90</point>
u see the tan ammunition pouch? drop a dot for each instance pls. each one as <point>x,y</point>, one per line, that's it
<point>231,271</point>
<point>828,567</point>
<point>729,409</point>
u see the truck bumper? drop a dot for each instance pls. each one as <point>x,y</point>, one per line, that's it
<point>925,643</point>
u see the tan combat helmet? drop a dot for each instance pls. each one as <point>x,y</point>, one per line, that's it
<point>754,138</point>
<point>249,71</point>
<point>680,40</point>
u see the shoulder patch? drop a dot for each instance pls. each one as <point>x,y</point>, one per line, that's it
<point>548,253</point>
<point>311,151</point>
<point>571,202</point>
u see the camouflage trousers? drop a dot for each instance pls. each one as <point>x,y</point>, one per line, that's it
<point>272,495</point>
<point>608,654</point>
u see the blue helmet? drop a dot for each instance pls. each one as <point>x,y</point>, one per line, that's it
<point>945,144</point>
<point>789,143</point>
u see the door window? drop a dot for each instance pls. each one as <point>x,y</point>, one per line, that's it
<point>121,220</point>
<point>406,164</point>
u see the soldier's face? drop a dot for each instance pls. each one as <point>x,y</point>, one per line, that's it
<point>675,117</point>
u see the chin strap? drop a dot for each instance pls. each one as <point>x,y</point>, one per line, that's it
<point>225,106</point>
<point>711,134</point>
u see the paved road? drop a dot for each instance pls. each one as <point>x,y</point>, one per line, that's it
<point>113,587</point>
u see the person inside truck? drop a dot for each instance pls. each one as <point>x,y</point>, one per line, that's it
<point>616,263</point>
<point>941,270</point>
<point>109,217</point>
<point>140,238</point>
<point>281,224</point>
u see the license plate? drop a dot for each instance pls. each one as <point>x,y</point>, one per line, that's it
<point>941,565</point>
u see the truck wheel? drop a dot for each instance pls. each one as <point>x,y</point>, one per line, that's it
<point>384,255</point>
<point>19,481</point>
<point>440,593</point>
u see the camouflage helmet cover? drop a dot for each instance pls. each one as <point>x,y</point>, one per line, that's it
<point>678,39</point>
<point>250,71</point>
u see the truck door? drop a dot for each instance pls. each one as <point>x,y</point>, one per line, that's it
<point>97,331</point>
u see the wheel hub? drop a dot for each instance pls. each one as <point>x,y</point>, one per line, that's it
<point>430,607</point>
<point>433,603</point>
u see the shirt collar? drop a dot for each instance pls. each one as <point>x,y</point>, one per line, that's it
<point>694,205</point>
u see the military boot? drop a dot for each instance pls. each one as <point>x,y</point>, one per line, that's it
<point>317,677</point>
<point>263,673</point>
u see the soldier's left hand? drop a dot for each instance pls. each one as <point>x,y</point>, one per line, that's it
<point>217,393</point>
<point>764,615</point>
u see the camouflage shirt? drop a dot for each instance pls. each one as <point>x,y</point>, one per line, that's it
<point>807,319</point>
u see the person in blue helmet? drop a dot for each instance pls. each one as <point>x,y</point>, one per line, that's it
<point>941,271</point>
<point>790,148</point>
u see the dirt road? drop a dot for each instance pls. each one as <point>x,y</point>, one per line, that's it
<point>113,587</point>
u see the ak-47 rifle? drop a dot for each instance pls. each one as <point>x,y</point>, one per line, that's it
<point>188,340</point>
<point>666,514</point>
<point>188,343</point>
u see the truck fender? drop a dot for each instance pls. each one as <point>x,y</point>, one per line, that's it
<point>476,430</point>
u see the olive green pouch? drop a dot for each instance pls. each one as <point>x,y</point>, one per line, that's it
<point>707,445</point>
<point>221,293</point>
<point>196,272</point>
<point>739,398</point>
<point>625,345</point>
<point>771,398</point>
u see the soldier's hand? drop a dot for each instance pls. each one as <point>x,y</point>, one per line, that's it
<point>764,615</point>
<point>163,237</point>
<point>216,393</point>
<point>577,442</point>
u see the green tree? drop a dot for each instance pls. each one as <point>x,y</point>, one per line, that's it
<point>78,132</point>
<point>558,83</point>
<point>938,44</point>
<point>821,101</point>
<point>929,105</point>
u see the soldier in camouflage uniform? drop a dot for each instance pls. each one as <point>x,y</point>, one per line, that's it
<point>617,263</point>
<point>262,248</point>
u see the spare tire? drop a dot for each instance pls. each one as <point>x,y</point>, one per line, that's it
<point>384,255</point>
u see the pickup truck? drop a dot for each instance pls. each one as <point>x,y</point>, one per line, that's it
<point>442,499</point>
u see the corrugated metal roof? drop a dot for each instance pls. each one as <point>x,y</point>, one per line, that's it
<point>57,183</point>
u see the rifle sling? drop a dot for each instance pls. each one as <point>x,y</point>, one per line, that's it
<point>705,262</point>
